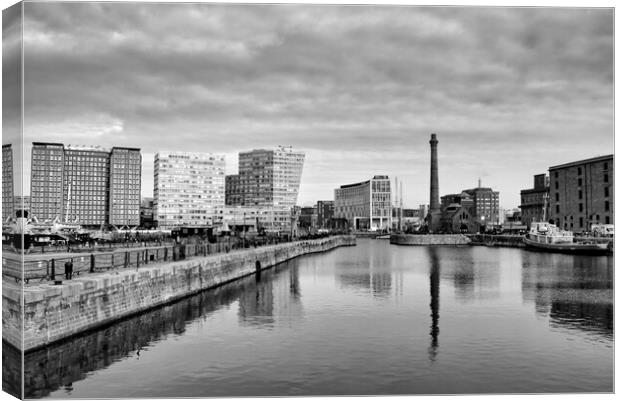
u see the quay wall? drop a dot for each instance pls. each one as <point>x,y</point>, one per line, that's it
<point>55,312</point>
<point>512,241</point>
<point>430,239</point>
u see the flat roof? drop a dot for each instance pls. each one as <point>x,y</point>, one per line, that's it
<point>585,161</point>
<point>47,144</point>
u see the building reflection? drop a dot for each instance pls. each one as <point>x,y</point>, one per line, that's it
<point>256,304</point>
<point>575,292</point>
<point>11,370</point>
<point>65,363</point>
<point>434,280</point>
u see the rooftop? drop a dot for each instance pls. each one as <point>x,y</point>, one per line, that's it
<point>585,161</point>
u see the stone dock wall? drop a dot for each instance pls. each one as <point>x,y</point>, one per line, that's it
<point>511,241</point>
<point>430,239</point>
<point>55,312</point>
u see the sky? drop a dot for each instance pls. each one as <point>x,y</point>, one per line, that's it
<point>508,91</point>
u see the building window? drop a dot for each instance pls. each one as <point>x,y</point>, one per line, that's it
<point>606,178</point>
<point>557,208</point>
<point>556,174</point>
<point>579,181</point>
<point>578,170</point>
<point>581,207</point>
<point>606,219</point>
<point>606,191</point>
<point>557,196</point>
<point>557,185</point>
<point>581,222</point>
<point>607,206</point>
<point>605,166</point>
<point>580,194</point>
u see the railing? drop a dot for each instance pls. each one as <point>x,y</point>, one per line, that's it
<point>87,247</point>
<point>53,268</point>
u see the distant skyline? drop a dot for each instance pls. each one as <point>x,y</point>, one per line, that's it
<point>509,91</point>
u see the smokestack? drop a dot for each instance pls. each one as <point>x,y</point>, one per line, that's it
<point>434,204</point>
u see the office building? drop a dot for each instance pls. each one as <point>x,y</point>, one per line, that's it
<point>535,201</point>
<point>233,191</point>
<point>188,189</point>
<point>324,213</point>
<point>485,207</point>
<point>22,203</point>
<point>86,182</point>
<point>267,177</point>
<point>8,208</point>
<point>365,205</point>
<point>46,181</point>
<point>125,186</point>
<point>581,193</point>
<point>308,217</point>
<point>146,213</point>
<point>89,185</point>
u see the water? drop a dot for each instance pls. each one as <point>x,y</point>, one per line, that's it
<point>371,319</point>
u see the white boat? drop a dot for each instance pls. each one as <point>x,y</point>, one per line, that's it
<point>548,237</point>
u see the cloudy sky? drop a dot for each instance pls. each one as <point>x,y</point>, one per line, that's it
<point>509,91</point>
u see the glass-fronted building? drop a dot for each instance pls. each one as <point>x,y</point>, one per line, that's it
<point>365,205</point>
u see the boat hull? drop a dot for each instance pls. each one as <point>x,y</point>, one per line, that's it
<point>572,248</point>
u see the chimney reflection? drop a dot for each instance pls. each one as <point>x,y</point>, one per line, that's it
<point>434,286</point>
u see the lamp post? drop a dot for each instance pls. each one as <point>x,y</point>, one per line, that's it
<point>244,230</point>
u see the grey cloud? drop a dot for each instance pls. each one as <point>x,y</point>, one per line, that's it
<point>229,77</point>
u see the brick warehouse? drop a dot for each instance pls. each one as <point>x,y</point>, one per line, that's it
<point>581,193</point>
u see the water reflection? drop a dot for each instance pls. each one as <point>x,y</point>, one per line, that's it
<point>370,270</point>
<point>434,279</point>
<point>11,370</point>
<point>576,292</point>
<point>63,364</point>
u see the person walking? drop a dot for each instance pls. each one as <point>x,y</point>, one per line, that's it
<point>69,269</point>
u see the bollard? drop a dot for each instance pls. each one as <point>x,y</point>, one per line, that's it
<point>92,263</point>
<point>137,259</point>
<point>146,256</point>
<point>165,254</point>
<point>53,272</point>
<point>112,261</point>
<point>126,259</point>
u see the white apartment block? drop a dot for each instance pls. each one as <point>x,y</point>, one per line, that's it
<point>188,189</point>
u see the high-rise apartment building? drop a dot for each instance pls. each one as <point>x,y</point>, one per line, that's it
<point>188,189</point>
<point>268,177</point>
<point>85,185</point>
<point>581,193</point>
<point>365,205</point>
<point>46,181</point>
<point>233,191</point>
<point>7,182</point>
<point>125,186</point>
<point>81,184</point>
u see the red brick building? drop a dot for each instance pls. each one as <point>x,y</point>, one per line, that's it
<point>581,193</point>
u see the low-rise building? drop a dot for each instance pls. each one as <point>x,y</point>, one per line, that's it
<point>365,205</point>
<point>581,193</point>
<point>534,205</point>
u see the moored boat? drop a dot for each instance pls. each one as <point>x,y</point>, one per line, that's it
<point>548,237</point>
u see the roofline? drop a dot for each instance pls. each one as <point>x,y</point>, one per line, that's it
<point>533,190</point>
<point>122,147</point>
<point>354,185</point>
<point>47,143</point>
<point>584,161</point>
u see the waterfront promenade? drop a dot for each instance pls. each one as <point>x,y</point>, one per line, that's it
<point>54,312</point>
